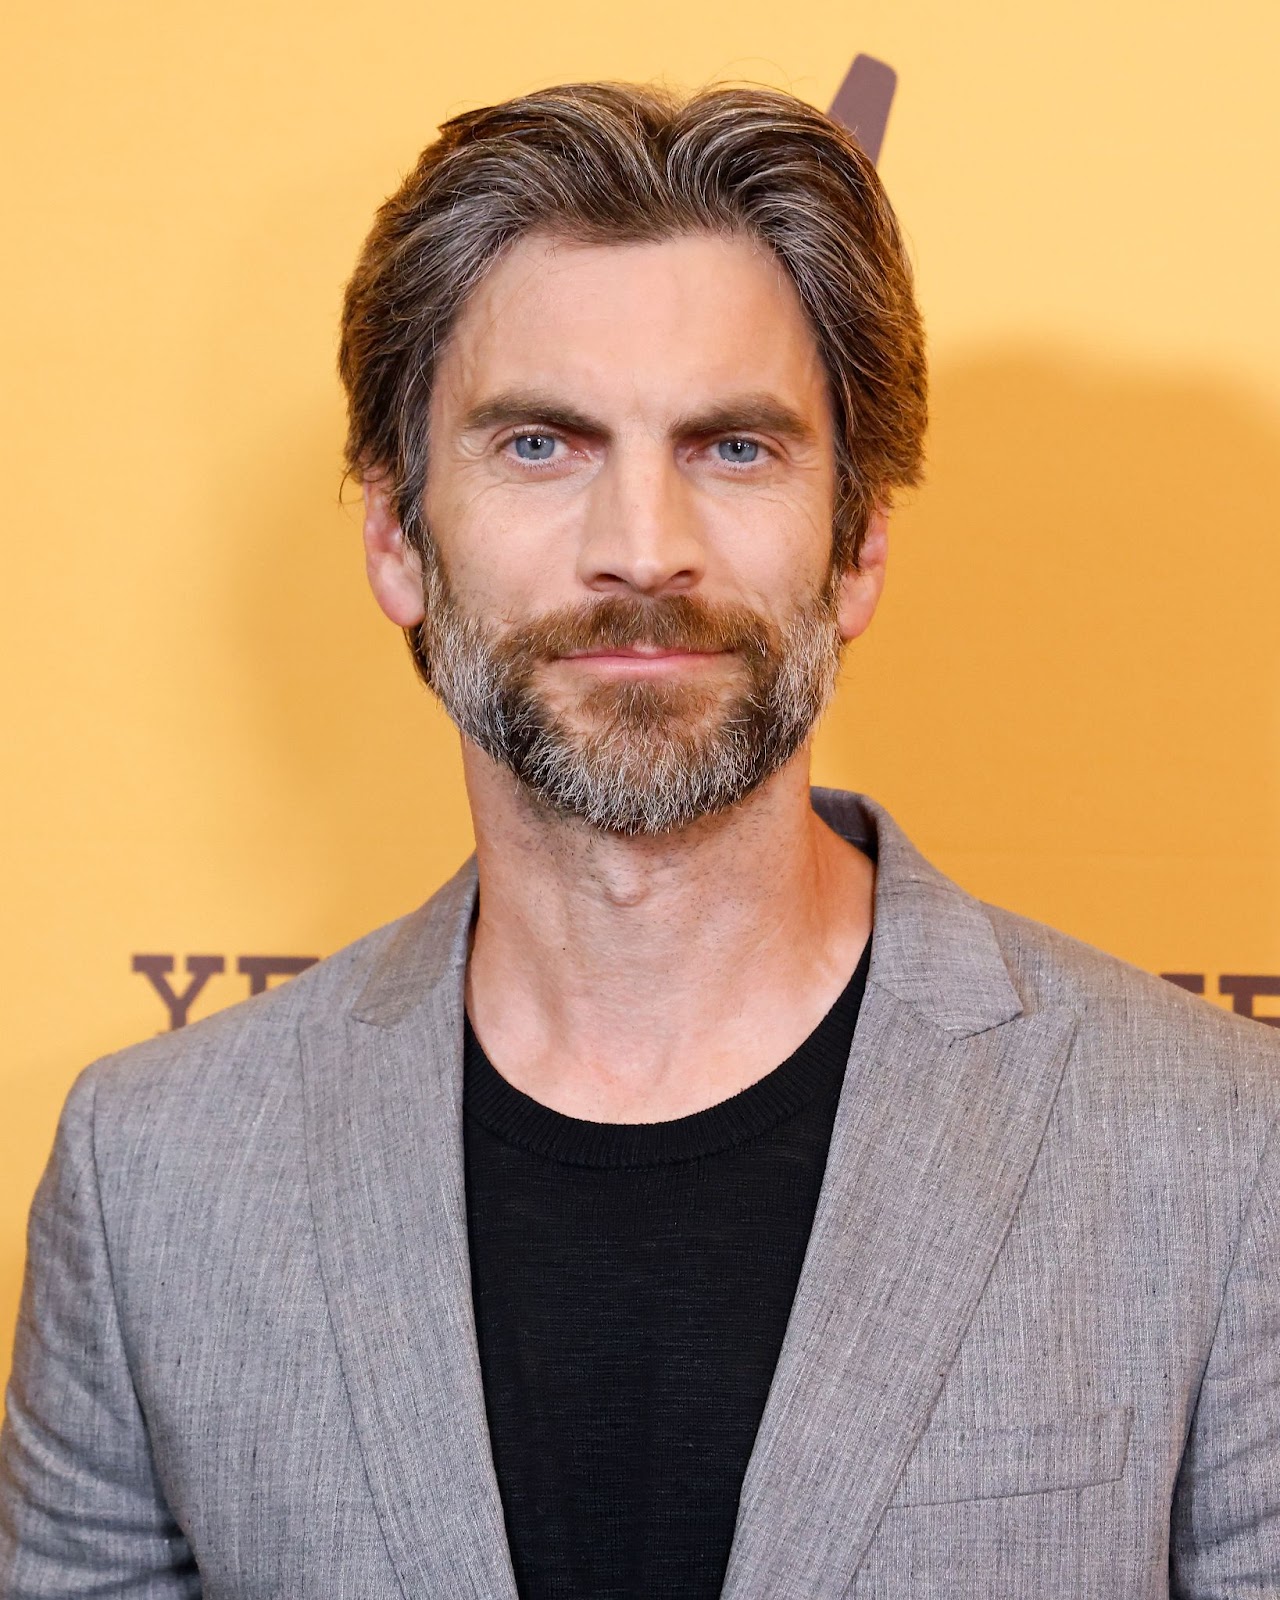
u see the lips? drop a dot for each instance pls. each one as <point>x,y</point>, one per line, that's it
<point>644,661</point>
<point>636,652</point>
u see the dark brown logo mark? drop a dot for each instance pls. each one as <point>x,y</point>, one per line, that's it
<point>1242,988</point>
<point>178,1002</point>
<point>862,102</point>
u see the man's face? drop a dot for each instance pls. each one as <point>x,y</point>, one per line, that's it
<point>629,600</point>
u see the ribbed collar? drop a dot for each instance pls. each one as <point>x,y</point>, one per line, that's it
<point>815,1069</point>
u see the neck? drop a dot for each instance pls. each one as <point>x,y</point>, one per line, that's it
<point>642,979</point>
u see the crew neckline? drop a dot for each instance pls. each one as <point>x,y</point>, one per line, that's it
<point>814,1068</point>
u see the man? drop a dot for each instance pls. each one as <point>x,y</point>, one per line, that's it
<point>700,1194</point>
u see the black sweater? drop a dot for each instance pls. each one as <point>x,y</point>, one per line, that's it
<point>632,1284</point>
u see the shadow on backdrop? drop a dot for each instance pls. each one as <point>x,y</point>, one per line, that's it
<point>1077,658</point>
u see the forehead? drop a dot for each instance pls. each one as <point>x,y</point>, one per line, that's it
<point>649,327</point>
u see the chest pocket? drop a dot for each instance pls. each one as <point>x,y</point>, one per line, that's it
<point>1025,1458</point>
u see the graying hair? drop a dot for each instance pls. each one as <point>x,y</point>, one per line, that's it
<point>624,163</point>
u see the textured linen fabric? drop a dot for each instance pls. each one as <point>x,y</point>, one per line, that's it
<point>1034,1349</point>
<point>632,1285</point>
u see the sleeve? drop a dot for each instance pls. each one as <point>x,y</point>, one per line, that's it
<point>81,1512</point>
<point>1226,1511</point>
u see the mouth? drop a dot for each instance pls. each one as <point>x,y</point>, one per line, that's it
<point>640,659</point>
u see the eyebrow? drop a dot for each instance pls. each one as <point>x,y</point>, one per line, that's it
<point>514,405</point>
<point>751,413</point>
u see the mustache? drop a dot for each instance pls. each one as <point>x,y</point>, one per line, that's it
<point>678,622</point>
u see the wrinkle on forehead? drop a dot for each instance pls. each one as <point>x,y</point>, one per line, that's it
<point>639,325</point>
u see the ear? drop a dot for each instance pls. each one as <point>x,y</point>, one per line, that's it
<point>395,572</point>
<point>860,589</point>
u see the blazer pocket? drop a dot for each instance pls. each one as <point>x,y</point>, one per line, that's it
<point>1024,1458</point>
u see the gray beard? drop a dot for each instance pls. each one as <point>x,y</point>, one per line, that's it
<point>638,758</point>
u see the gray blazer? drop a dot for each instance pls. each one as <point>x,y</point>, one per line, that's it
<point>1035,1349</point>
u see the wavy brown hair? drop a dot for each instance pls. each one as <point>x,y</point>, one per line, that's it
<point>605,163</point>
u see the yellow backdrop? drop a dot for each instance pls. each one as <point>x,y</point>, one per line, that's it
<point>217,746</point>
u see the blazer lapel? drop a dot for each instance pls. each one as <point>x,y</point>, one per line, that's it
<point>947,1094</point>
<point>384,1135</point>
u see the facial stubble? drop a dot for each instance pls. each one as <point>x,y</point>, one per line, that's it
<point>633,757</point>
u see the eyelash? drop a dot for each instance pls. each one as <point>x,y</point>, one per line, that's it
<point>548,433</point>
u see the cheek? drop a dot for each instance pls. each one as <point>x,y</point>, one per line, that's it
<point>507,550</point>
<point>770,547</point>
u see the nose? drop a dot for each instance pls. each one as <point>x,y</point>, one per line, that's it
<point>642,531</point>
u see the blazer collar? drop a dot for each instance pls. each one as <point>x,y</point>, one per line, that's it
<point>427,951</point>
<point>946,1097</point>
<point>934,945</point>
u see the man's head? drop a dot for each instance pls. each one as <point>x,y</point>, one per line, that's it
<point>632,382</point>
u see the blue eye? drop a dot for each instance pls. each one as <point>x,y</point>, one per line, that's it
<point>740,451</point>
<point>534,446</point>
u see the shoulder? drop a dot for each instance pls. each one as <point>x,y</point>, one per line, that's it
<point>1052,968</point>
<point>1148,1041</point>
<point>230,1070</point>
